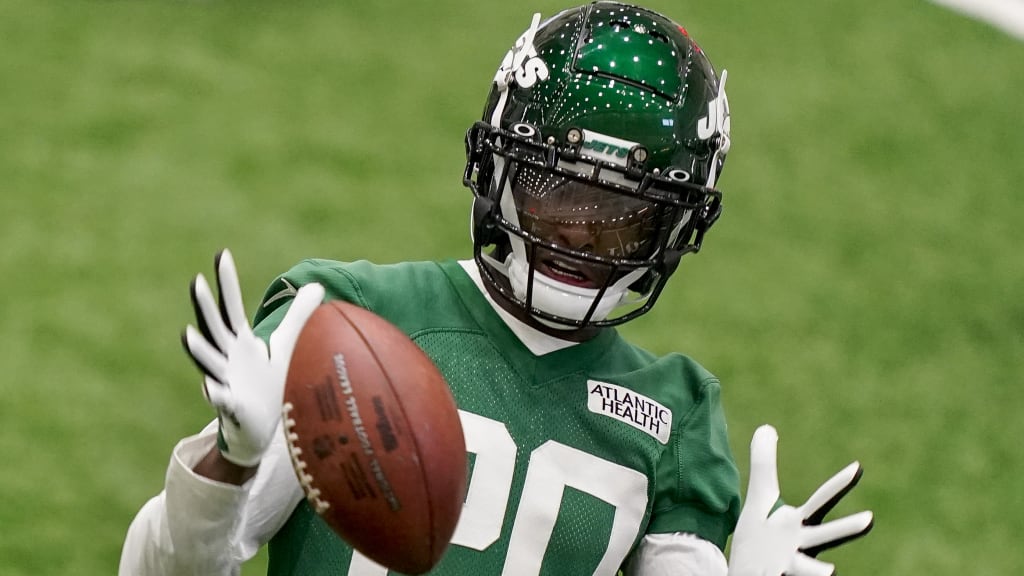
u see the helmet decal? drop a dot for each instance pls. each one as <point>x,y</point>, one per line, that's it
<point>717,120</point>
<point>521,66</point>
<point>607,148</point>
<point>717,123</point>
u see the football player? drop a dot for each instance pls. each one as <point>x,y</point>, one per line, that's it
<point>593,171</point>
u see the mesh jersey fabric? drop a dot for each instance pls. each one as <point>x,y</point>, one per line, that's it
<point>595,444</point>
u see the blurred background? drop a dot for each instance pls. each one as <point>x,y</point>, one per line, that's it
<point>862,291</point>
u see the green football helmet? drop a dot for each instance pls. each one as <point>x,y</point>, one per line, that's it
<point>594,167</point>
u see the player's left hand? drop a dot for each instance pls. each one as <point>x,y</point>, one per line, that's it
<point>786,541</point>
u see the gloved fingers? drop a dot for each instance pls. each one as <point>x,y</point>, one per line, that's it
<point>208,316</point>
<point>815,539</point>
<point>230,292</point>
<point>210,360</point>
<point>807,566</point>
<point>763,487</point>
<point>218,395</point>
<point>830,493</point>
<point>197,310</point>
<point>282,340</point>
<point>207,384</point>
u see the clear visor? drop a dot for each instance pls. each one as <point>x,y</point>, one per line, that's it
<point>584,217</point>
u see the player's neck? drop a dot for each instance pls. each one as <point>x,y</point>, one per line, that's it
<point>572,335</point>
<point>538,338</point>
<point>510,313</point>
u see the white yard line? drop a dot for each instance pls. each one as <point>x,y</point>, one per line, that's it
<point>1007,15</point>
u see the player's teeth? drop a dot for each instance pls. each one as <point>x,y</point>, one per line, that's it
<point>564,268</point>
<point>568,271</point>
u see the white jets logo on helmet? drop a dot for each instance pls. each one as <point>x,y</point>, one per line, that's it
<point>521,66</point>
<point>521,62</point>
<point>717,125</point>
<point>717,121</point>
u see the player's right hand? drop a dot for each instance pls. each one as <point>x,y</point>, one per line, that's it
<point>244,378</point>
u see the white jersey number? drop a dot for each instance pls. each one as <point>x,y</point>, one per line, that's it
<point>552,467</point>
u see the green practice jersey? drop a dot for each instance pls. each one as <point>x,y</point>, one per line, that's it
<point>574,455</point>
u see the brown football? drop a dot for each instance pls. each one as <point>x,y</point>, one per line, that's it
<point>375,437</point>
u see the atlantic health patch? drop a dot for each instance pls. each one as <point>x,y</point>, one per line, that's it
<point>627,406</point>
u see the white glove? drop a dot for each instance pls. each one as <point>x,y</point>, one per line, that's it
<point>785,541</point>
<point>244,380</point>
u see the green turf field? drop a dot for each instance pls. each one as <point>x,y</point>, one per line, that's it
<point>862,291</point>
